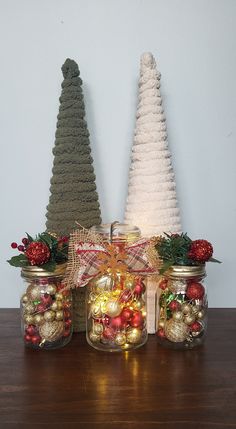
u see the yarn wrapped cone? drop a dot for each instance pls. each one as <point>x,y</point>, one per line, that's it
<point>151,202</point>
<point>73,189</point>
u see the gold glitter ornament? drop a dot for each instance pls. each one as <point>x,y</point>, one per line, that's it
<point>177,332</point>
<point>177,286</point>
<point>113,308</point>
<point>189,318</point>
<point>54,306</point>
<point>29,309</point>
<point>25,299</point>
<point>34,292</point>
<point>120,339</point>
<point>29,319</point>
<point>51,289</point>
<point>98,328</point>
<point>92,297</point>
<point>49,315</point>
<point>94,337</point>
<point>133,335</point>
<point>38,319</point>
<point>51,331</point>
<point>200,314</point>
<point>95,310</point>
<point>59,296</point>
<point>177,316</point>
<point>59,315</point>
<point>161,323</point>
<point>186,308</point>
<point>196,309</point>
<point>138,305</point>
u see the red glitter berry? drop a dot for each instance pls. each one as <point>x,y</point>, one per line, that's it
<point>174,305</point>
<point>14,245</point>
<point>196,327</point>
<point>25,241</point>
<point>200,250</point>
<point>21,248</point>
<point>38,253</point>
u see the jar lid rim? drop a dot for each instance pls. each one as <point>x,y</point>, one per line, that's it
<point>186,270</point>
<point>32,271</point>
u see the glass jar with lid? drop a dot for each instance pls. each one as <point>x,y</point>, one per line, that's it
<point>182,320</point>
<point>116,299</point>
<point>46,308</point>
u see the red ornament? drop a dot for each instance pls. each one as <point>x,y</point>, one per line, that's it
<point>137,319</point>
<point>195,291</point>
<point>31,330</point>
<point>117,323</point>
<point>41,308</point>
<point>27,338</point>
<point>68,323</point>
<point>139,288</point>
<point>46,300</point>
<point>125,296</point>
<point>126,314</point>
<point>36,339</point>
<point>67,333</point>
<point>200,250</point>
<point>161,333</point>
<point>174,305</point>
<point>67,314</point>
<point>25,241</point>
<point>14,245</point>
<point>108,333</point>
<point>21,248</point>
<point>38,253</point>
<point>195,327</point>
<point>163,284</point>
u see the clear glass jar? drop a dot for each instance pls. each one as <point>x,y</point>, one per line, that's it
<point>116,302</point>
<point>182,319</point>
<point>46,308</point>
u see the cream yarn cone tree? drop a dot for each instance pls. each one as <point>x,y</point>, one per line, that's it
<point>151,202</point>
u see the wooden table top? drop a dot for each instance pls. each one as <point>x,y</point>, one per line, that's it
<point>152,387</point>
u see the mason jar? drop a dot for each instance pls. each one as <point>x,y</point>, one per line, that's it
<point>116,301</point>
<point>182,318</point>
<point>46,308</point>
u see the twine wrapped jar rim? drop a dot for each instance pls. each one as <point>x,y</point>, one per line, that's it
<point>186,271</point>
<point>34,271</point>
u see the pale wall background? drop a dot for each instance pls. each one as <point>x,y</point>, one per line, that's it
<point>194,44</point>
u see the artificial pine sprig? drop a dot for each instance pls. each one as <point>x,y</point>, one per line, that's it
<point>179,249</point>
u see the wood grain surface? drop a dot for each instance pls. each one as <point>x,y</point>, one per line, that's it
<point>152,387</point>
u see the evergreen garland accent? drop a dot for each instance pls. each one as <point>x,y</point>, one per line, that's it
<point>73,188</point>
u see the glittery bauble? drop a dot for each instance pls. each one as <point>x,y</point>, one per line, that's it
<point>29,308</point>
<point>189,318</point>
<point>137,319</point>
<point>31,330</point>
<point>117,323</point>
<point>178,285</point>
<point>94,337</point>
<point>59,296</point>
<point>108,333</point>
<point>120,339</point>
<point>95,310</point>
<point>161,323</point>
<point>24,299</point>
<point>51,289</point>
<point>126,314</point>
<point>51,331</point>
<point>54,306</point>
<point>46,299</point>
<point>34,292</point>
<point>133,335</point>
<point>186,308</point>
<point>200,250</point>
<point>196,308</point>
<point>38,319</point>
<point>29,319</point>
<point>178,316</point>
<point>176,332</point>
<point>196,327</point>
<point>98,328</point>
<point>37,253</point>
<point>195,290</point>
<point>174,305</point>
<point>113,308</point>
<point>59,315</point>
<point>201,314</point>
<point>138,305</point>
<point>49,315</point>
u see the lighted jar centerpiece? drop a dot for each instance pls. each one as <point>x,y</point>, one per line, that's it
<point>45,303</point>
<point>112,264</point>
<point>182,320</point>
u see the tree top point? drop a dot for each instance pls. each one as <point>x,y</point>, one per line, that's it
<point>148,60</point>
<point>70,69</point>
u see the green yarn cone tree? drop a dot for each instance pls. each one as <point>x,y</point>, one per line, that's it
<point>73,188</point>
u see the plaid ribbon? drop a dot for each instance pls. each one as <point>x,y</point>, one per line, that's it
<point>89,254</point>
